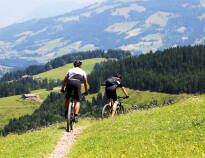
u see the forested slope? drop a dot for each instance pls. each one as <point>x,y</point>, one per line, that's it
<point>174,70</point>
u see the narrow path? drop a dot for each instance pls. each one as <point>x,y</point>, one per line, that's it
<point>65,143</point>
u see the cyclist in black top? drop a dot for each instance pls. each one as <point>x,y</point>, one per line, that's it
<point>112,84</point>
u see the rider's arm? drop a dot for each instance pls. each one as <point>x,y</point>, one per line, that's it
<point>64,82</point>
<point>85,84</point>
<point>124,91</point>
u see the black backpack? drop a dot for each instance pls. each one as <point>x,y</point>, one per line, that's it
<point>110,82</point>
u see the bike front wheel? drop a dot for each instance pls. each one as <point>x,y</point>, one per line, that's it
<point>106,111</point>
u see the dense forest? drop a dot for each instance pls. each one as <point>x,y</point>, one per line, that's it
<point>174,70</point>
<point>61,61</point>
<point>25,85</point>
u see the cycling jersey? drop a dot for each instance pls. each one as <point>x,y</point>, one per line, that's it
<point>111,89</point>
<point>76,73</point>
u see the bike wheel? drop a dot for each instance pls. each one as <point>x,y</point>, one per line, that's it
<point>120,110</point>
<point>106,111</point>
<point>69,118</point>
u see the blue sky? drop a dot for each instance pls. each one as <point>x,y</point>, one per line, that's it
<point>13,11</point>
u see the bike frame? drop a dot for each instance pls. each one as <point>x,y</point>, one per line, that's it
<point>119,108</point>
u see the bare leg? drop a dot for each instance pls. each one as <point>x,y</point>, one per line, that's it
<point>66,104</point>
<point>77,107</point>
<point>109,102</point>
<point>114,108</point>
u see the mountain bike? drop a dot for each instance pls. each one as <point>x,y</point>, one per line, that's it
<point>107,109</point>
<point>71,113</point>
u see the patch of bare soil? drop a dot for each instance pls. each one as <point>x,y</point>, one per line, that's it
<point>65,143</point>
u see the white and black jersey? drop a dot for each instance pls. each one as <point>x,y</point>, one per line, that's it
<point>76,74</point>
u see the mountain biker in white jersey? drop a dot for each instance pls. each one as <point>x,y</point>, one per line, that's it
<point>112,84</point>
<point>72,81</point>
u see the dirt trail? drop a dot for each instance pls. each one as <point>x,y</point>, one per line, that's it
<point>65,143</point>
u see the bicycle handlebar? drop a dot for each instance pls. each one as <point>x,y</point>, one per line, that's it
<point>122,97</point>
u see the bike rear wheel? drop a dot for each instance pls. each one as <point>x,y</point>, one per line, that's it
<point>106,111</point>
<point>70,118</point>
<point>120,110</point>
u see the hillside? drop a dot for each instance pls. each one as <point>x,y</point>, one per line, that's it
<point>15,106</point>
<point>138,26</point>
<point>174,71</point>
<point>59,73</point>
<point>169,131</point>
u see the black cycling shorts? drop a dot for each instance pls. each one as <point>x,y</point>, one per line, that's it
<point>73,87</point>
<point>111,93</point>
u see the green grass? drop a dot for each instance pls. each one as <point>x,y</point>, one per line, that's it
<point>59,73</point>
<point>35,144</point>
<point>141,98</point>
<point>14,106</point>
<point>170,131</point>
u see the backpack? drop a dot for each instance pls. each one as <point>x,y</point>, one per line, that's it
<point>110,82</point>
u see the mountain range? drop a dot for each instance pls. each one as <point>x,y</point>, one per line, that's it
<point>135,25</point>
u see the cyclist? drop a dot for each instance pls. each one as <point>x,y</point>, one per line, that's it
<point>72,81</point>
<point>111,84</point>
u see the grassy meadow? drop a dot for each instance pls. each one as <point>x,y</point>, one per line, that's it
<point>141,98</point>
<point>60,72</point>
<point>171,131</point>
<point>14,106</point>
<point>177,130</point>
<point>35,144</point>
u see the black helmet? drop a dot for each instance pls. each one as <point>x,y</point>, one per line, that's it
<point>118,75</point>
<point>77,63</point>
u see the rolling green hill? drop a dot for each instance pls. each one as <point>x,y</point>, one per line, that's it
<point>171,131</point>
<point>60,72</point>
<point>14,106</point>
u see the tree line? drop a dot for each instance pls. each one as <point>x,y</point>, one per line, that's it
<point>61,61</point>
<point>174,70</point>
<point>25,85</point>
